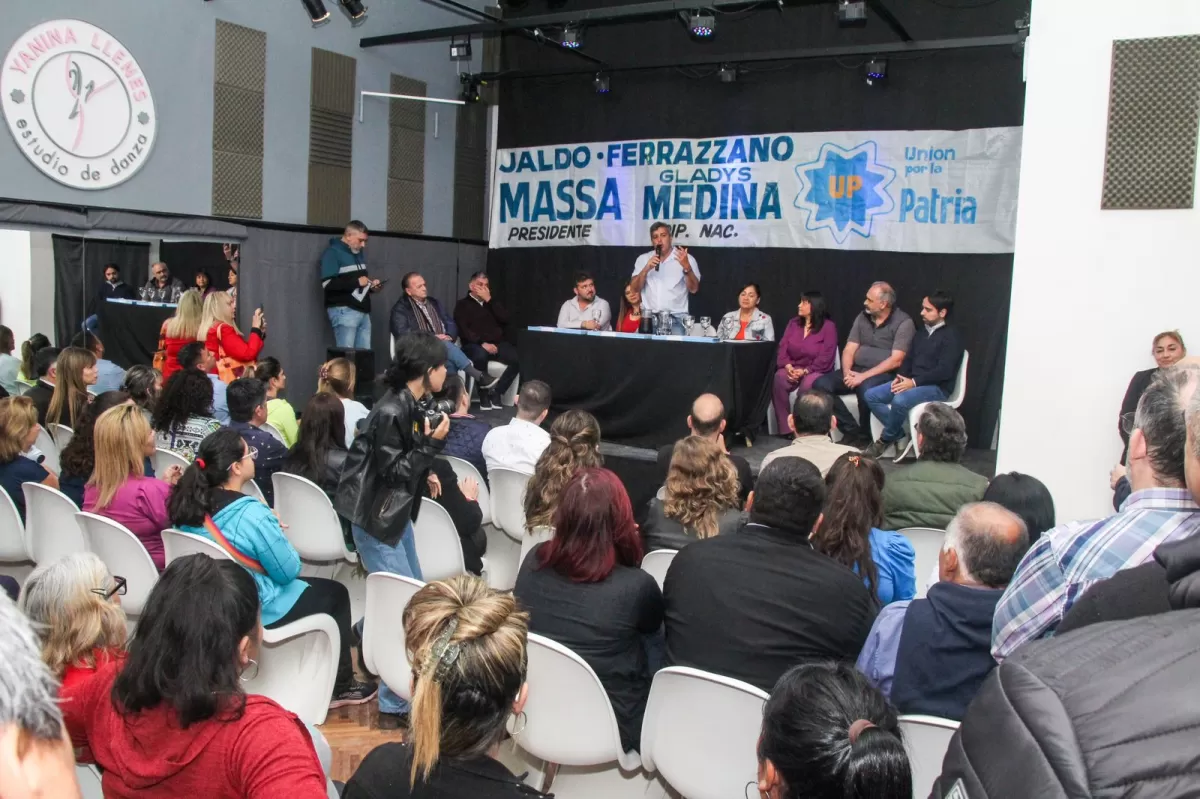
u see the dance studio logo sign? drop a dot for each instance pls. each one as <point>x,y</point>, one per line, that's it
<point>78,104</point>
<point>844,190</point>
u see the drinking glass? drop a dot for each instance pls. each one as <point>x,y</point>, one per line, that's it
<point>688,321</point>
<point>705,324</point>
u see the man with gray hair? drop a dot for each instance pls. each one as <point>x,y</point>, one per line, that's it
<point>36,759</point>
<point>931,655</point>
<point>878,342</point>
<point>1070,558</point>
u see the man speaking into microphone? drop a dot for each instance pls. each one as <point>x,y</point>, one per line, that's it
<point>665,277</point>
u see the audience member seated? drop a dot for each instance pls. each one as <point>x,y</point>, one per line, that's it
<point>1025,496</point>
<point>18,430</point>
<point>585,311</point>
<point>143,384</point>
<point>849,530</point>
<point>280,413</point>
<point>183,413</point>
<point>460,498</point>
<point>234,352</point>
<point>707,420</point>
<point>807,351</point>
<point>78,458</point>
<point>629,317</point>
<point>879,340</point>
<point>173,719</point>
<point>931,655</point>
<point>74,371</point>
<point>337,377</point>
<point>180,330</point>
<point>467,433</point>
<point>29,349</point>
<point>574,445</point>
<point>927,375</point>
<point>119,488</point>
<point>1168,349</point>
<point>195,355</point>
<point>929,492</point>
<point>827,734</point>
<point>45,368</point>
<point>320,452</point>
<point>417,312</point>
<point>482,324</point>
<point>10,365</point>
<point>209,501</point>
<point>811,420</point>
<point>780,602</point>
<point>469,664</point>
<point>1067,560</point>
<point>35,754</point>
<point>747,323</point>
<point>109,376</point>
<point>247,413</point>
<point>583,589</point>
<point>518,444</point>
<point>698,501</point>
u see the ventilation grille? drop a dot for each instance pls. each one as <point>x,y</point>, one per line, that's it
<point>331,138</point>
<point>470,171</point>
<point>240,58</point>
<point>406,157</point>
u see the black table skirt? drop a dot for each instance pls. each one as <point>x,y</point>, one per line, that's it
<point>130,332</point>
<point>641,390</point>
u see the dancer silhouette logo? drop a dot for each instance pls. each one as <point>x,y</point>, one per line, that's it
<point>78,104</point>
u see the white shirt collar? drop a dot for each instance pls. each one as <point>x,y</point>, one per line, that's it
<point>472,296</point>
<point>941,323</point>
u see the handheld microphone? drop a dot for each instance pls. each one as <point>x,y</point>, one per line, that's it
<point>658,252</point>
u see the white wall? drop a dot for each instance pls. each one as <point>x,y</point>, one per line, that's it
<point>1090,287</point>
<point>15,289</point>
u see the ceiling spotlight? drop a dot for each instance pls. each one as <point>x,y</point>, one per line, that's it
<point>728,73</point>
<point>356,11</point>
<point>852,13</point>
<point>572,37</point>
<point>601,83</point>
<point>701,23</point>
<point>316,12</point>
<point>876,71</point>
<point>460,48</point>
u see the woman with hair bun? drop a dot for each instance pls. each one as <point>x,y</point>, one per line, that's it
<point>338,378</point>
<point>468,646</point>
<point>827,733</point>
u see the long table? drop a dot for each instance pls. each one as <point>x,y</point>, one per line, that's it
<point>641,388</point>
<point>129,330</point>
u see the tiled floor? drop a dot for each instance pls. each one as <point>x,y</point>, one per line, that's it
<point>352,734</point>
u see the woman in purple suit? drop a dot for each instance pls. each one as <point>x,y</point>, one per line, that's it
<point>807,350</point>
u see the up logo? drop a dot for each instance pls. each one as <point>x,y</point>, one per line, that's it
<point>842,191</point>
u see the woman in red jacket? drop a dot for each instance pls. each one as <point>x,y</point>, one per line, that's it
<point>180,330</point>
<point>222,338</point>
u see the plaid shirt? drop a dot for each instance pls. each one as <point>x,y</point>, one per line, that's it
<point>1065,562</point>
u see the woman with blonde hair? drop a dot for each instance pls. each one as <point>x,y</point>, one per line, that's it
<point>119,488</point>
<point>222,338</point>
<point>699,499</point>
<point>574,445</point>
<point>179,331</point>
<point>338,377</point>
<point>468,646</point>
<point>75,370</point>
<point>18,430</point>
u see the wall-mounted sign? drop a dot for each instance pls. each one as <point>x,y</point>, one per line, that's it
<point>78,104</point>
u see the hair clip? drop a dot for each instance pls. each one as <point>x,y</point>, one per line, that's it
<point>855,459</point>
<point>858,728</point>
<point>200,462</point>
<point>443,654</point>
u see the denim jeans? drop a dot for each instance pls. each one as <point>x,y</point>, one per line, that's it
<point>456,360</point>
<point>401,559</point>
<point>351,328</point>
<point>892,409</point>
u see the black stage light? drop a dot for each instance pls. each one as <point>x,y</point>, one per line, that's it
<point>460,48</point>
<point>852,13</point>
<point>316,12</point>
<point>470,88</point>
<point>572,37</point>
<point>728,73</point>
<point>702,23</point>
<point>876,71</point>
<point>356,11</point>
<point>602,84</point>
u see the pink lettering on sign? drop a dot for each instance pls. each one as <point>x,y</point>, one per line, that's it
<point>38,46</point>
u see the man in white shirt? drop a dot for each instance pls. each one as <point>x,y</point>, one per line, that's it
<point>812,420</point>
<point>585,311</point>
<point>518,444</point>
<point>666,276</point>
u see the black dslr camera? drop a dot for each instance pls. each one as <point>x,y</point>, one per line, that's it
<point>432,409</point>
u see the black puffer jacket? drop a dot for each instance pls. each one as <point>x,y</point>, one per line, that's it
<point>1110,710</point>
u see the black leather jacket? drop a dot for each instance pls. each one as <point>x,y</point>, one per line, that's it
<point>380,486</point>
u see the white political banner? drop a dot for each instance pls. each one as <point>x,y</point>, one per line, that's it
<point>907,191</point>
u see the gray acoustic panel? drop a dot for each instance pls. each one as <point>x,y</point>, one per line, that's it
<point>406,157</point>
<point>470,171</point>
<point>1153,118</point>
<point>406,154</point>
<point>331,137</point>
<point>408,114</point>
<point>328,195</point>
<point>406,206</point>
<point>239,100</point>
<point>333,81</point>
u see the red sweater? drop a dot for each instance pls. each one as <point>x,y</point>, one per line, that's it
<point>223,335</point>
<point>172,346</point>
<point>266,754</point>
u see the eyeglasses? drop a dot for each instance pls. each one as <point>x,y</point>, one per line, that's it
<point>1128,422</point>
<point>119,587</point>
<point>251,453</point>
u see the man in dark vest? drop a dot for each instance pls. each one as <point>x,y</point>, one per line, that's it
<point>931,655</point>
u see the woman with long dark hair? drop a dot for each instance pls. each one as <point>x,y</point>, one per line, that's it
<point>320,451</point>
<point>78,458</point>
<point>208,501</point>
<point>28,374</point>
<point>807,351</point>
<point>173,719</point>
<point>280,413</point>
<point>75,370</point>
<point>183,415</point>
<point>629,316</point>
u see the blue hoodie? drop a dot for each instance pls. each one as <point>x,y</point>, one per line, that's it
<point>253,530</point>
<point>340,270</point>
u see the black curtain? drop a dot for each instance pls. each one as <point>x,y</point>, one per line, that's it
<point>186,258</point>
<point>79,271</point>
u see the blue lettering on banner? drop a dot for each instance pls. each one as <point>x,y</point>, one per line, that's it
<point>937,209</point>
<point>576,200</point>
<point>727,201</point>
<point>844,190</point>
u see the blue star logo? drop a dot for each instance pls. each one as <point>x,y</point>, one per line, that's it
<point>843,190</point>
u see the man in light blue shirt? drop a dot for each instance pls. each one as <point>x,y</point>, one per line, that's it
<point>196,356</point>
<point>109,376</point>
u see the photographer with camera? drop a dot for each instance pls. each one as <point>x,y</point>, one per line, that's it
<point>389,467</point>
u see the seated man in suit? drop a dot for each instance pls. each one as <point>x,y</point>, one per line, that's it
<point>482,325</point>
<point>811,420</point>
<point>417,311</point>
<point>707,420</point>
<point>45,370</point>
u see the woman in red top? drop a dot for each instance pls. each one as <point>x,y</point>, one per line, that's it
<point>173,720</point>
<point>180,330</point>
<point>630,316</point>
<point>222,338</point>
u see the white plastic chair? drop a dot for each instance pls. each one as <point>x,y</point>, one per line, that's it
<point>165,459</point>
<point>927,544</point>
<point>251,489</point>
<point>910,426</point>
<point>177,543</point>
<point>51,530</point>
<point>439,549</point>
<point>657,562</point>
<point>61,434</point>
<point>45,443</point>
<point>538,535</point>
<point>699,732</point>
<point>496,369</point>
<point>274,432</point>
<point>570,721</point>
<point>90,784</point>
<point>123,554</point>
<point>14,545</point>
<point>927,739</point>
<point>297,666</point>
<point>384,651</point>
<point>508,501</point>
<point>313,526</point>
<point>464,469</point>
